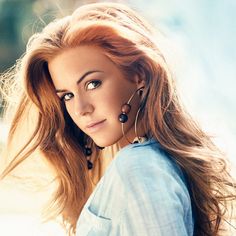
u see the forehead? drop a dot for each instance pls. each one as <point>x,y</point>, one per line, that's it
<point>81,55</point>
<point>74,62</point>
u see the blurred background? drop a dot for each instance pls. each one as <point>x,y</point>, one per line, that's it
<point>199,44</point>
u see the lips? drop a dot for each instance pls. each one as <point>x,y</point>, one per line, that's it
<point>94,124</point>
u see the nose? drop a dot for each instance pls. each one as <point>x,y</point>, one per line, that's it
<point>82,107</point>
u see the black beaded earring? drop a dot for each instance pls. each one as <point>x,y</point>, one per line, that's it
<point>88,153</point>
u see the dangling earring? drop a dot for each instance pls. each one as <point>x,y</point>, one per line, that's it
<point>88,153</point>
<point>125,109</point>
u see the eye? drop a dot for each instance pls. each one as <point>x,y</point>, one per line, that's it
<point>93,84</point>
<point>66,97</point>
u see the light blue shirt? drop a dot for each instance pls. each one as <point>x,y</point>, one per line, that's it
<point>142,193</point>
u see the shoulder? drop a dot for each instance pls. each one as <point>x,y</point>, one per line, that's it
<point>142,178</point>
<point>146,158</point>
<point>147,167</point>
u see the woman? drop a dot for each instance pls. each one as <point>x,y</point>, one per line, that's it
<point>98,80</point>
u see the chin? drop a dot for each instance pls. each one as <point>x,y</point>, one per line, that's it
<point>105,143</point>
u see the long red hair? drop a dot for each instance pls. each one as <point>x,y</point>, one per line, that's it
<point>128,41</point>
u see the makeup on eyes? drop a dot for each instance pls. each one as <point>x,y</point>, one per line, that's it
<point>63,97</point>
<point>94,82</point>
<point>80,79</point>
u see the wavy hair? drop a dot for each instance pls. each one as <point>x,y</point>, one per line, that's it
<point>129,41</point>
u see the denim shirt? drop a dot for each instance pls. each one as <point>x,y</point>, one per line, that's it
<point>142,193</point>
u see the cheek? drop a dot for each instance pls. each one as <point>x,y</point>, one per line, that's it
<point>69,109</point>
<point>71,112</point>
<point>112,104</point>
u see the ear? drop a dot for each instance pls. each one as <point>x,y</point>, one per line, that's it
<point>140,82</point>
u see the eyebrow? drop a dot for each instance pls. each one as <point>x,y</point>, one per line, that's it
<point>80,79</point>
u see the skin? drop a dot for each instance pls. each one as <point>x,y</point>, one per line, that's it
<point>94,90</point>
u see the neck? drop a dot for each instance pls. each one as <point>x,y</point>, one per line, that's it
<point>130,136</point>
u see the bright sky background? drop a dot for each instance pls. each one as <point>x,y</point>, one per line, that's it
<point>202,52</point>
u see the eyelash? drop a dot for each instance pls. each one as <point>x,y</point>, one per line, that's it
<point>96,82</point>
<point>63,97</point>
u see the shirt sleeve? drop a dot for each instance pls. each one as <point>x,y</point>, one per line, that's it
<point>156,201</point>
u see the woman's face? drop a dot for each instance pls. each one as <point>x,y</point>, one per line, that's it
<point>94,90</point>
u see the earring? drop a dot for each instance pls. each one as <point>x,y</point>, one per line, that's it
<point>138,138</point>
<point>125,109</point>
<point>88,153</point>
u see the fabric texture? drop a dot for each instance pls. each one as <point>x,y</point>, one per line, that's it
<point>143,192</point>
